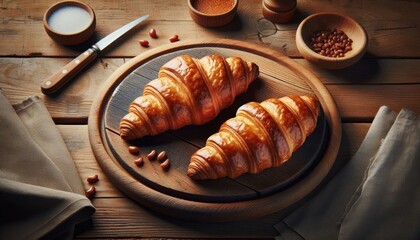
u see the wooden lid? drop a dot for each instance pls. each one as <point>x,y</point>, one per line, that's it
<point>278,16</point>
<point>280,5</point>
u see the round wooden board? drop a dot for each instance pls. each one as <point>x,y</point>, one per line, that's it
<point>172,192</point>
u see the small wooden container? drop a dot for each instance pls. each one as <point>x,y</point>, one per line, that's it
<point>82,32</point>
<point>279,11</point>
<point>329,20</point>
<point>212,19</point>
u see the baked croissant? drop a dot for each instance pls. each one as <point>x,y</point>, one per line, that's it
<point>187,91</point>
<point>262,135</point>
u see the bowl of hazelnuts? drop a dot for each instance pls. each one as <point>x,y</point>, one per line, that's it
<point>331,40</point>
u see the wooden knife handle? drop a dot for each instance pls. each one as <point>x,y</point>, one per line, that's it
<point>57,80</point>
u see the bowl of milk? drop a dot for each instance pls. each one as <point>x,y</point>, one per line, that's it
<point>70,22</point>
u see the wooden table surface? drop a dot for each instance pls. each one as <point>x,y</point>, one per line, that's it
<point>387,75</point>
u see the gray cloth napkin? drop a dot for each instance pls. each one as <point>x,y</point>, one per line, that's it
<point>376,195</point>
<point>41,193</point>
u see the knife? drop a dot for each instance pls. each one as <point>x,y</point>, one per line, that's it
<point>57,80</point>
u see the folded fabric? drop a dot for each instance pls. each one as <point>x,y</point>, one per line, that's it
<point>360,202</point>
<point>387,204</point>
<point>41,193</point>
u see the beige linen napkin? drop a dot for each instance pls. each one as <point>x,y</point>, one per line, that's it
<point>41,193</point>
<point>367,196</point>
<point>387,204</point>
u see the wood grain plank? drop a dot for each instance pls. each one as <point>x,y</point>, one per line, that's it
<point>370,71</point>
<point>21,77</point>
<point>21,20</point>
<point>361,102</point>
<point>392,27</point>
<point>119,217</point>
<point>77,141</point>
<point>76,138</point>
<point>122,218</point>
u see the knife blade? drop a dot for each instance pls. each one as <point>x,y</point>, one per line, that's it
<point>53,83</point>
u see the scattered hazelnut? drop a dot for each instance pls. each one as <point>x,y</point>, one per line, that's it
<point>144,43</point>
<point>133,149</point>
<point>90,193</point>
<point>152,155</point>
<point>161,156</point>
<point>174,38</point>
<point>139,162</point>
<point>166,164</point>
<point>153,33</point>
<point>93,179</point>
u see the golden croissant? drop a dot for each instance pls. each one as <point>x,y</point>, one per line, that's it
<point>188,91</point>
<point>260,136</point>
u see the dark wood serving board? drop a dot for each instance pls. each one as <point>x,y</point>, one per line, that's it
<point>174,193</point>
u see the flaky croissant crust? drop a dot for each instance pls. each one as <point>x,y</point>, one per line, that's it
<point>262,135</point>
<point>187,91</point>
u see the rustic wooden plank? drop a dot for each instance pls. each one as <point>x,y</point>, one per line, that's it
<point>20,21</point>
<point>361,102</point>
<point>391,26</point>
<point>77,141</point>
<point>117,216</point>
<point>370,71</point>
<point>76,138</point>
<point>122,218</point>
<point>21,77</point>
